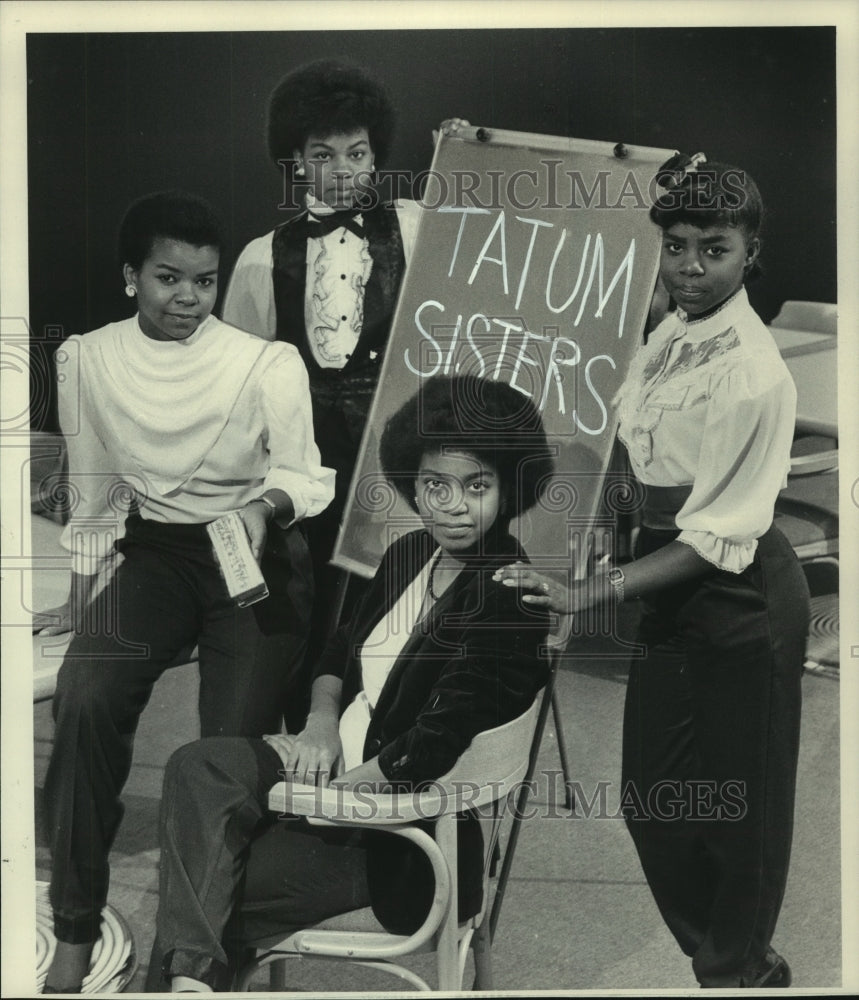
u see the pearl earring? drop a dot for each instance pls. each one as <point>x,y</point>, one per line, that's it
<point>130,291</point>
<point>300,171</point>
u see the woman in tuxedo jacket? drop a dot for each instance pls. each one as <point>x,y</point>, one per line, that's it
<point>435,653</point>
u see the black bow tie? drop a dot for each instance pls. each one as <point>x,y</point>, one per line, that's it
<point>322,225</point>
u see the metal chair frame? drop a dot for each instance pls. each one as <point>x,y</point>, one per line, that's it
<point>488,777</point>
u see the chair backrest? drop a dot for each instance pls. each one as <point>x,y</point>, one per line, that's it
<point>814,317</point>
<point>559,635</point>
<point>556,645</point>
<point>807,510</point>
<point>497,759</point>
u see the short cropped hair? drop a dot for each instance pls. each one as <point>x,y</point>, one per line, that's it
<point>328,97</point>
<point>172,215</point>
<point>490,420</point>
<point>713,194</point>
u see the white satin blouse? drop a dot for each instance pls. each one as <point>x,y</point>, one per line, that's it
<point>378,655</point>
<point>711,404</point>
<point>190,429</point>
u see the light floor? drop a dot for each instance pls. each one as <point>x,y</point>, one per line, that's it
<point>578,915</point>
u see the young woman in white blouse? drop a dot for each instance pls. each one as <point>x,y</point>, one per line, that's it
<point>711,725</point>
<point>191,419</point>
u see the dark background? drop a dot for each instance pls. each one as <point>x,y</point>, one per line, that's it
<point>114,116</point>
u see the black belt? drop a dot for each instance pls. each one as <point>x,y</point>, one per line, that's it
<point>337,384</point>
<point>661,506</point>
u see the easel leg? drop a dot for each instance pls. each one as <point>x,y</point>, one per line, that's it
<point>569,799</point>
<point>343,577</point>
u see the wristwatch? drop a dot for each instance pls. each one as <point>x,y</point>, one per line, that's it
<point>269,503</point>
<point>617,580</point>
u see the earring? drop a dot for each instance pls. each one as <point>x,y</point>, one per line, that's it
<point>300,170</point>
<point>130,291</point>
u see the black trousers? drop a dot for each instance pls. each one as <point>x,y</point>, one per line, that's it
<point>710,744</point>
<point>166,596</point>
<point>341,403</point>
<point>232,873</point>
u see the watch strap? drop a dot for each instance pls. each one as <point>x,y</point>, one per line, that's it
<point>617,581</point>
<point>268,502</point>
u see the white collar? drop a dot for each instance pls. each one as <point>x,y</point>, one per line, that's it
<point>316,208</point>
<point>728,314</point>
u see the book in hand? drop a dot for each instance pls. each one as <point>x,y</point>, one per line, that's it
<point>239,569</point>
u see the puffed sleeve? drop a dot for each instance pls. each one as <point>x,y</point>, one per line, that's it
<point>249,302</point>
<point>95,522</point>
<point>493,674</point>
<point>744,461</point>
<point>408,215</point>
<point>294,461</point>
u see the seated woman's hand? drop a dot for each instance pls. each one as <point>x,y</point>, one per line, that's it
<point>282,743</point>
<point>313,756</point>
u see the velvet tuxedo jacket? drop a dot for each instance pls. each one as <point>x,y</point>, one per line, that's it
<point>474,664</point>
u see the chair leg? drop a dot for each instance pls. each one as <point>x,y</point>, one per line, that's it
<point>447,945</point>
<point>521,802</point>
<point>277,976</point>
<point>569,800</point>
<point>481,945</point>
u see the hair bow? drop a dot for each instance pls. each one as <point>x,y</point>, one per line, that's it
<point>675,170</point>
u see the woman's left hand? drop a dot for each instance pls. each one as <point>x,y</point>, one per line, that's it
<point>256,517</point>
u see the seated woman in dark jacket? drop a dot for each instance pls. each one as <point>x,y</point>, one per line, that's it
<point>436,653</point>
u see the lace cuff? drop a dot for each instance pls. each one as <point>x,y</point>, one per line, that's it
<point>733,557</point>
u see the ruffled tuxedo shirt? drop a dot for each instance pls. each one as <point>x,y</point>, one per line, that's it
<point>338,268</point>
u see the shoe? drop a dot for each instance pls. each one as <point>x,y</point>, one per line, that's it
<point>775,973</point>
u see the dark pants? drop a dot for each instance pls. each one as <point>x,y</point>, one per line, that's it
<point>166,596</point>
<point>233,874</point>
<point>711,737</point>
<point>340,407</point>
